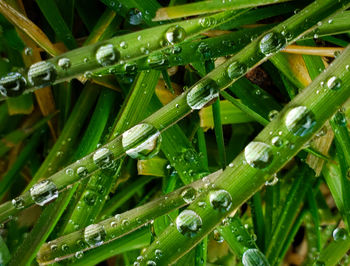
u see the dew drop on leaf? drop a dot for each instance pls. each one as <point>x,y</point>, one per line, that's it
<point>18,202</point>
<point>271,43</point>
<point>43,192</point>
<point>64,63</point>
<point>340,234</point>
<point>220,200</point>
<point>141,141</point>
<point>107,55</point>
<point>188,194</point>
<point>175,34</point>
<point>188,223</point>
<point>258,154</point>
<point>236,69</point>
<point>94,234</point>
<point>300,121</point>
<point>12,85</point>
<point>273,114</point>
<point>42,74</point>
<point>103,158</point>
<point>202,93</point>
<point>333,83</point>
<point>254,257</point>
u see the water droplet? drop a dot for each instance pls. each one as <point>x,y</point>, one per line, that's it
<point>276,141</point>
<point>175,34</point>
<point>123,45</point>
<point>258,154</point>
<point>65,248</point>
<point>188,223</point>
<point>103,158</point>
<point>141,141</point>
<point>90,197</point>
<point>189,194</point>
<point>94,234</point>
<point>340,118</point>
<point>18,203</point>
<point>79,254</point>
<point>271,43</point>
<point>12,85</point>
<point>134,17</point>
<point>272,181</point>
<point>231,165</point>
<point>333,83</point>
<point>254,257</point>
<point>236,69</point>
<point>43,192</point>
<point>220,200</point>
<point>28,51</point>
<point>207,22</point>
<point>340,234</point>
<point>107,55</point>
<point>202,93</point>
<point>64,63</point>
<point>157,60</point>
<point>217,236</point>
<point>300,121</point>
<point>42,74</point>
<point>82,171</point>
<point>273,114</point>
<point>69,172</point>
<point>151,263</point>
<point>158,253</point>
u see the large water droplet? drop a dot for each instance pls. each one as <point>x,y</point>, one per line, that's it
<point>175,34</point>
<point>43,192</point>
<point>300,121</point>
<point>64,63</point>
<point>220,200</point>
<point>12,85</point>
<point>340,234</point>
<point>258,154</point>
<point>107,55</point>
<point>141,141</point>
<point>94,234</point>
<point>202,93</point>
<point>236,69</point>
<point>333,83</point>
<point>271,43</point>
<point>42,74</point>
<point>189,194</point>
<point>254,257</point>
<point>103,158</point>
<point>188,223</point>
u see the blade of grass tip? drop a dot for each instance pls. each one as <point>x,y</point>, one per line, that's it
<point>53,16</point>
<point>258,220</point>
<point>130,46</point>
<point>23,23</point>
<point>119,225</point>
<point>289,212</point>
<point>342,142</point>
<point>193,9</point>
<point>237,237</point>
<point>307,98</point>
<point>10,176</point>
<point>178,108</point>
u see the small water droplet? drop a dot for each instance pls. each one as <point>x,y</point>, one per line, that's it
<point>175,34</point>
<point>220,200</point>
<point>340,234</point>
<point>12,85</point>
<point>90,197</point>
<point>151,263</point>
<point>107,55</point>
<point>272,181</point>
<point>333,83</point>
<point>44,192</point>
<point>141,141</point>
<point>271,43</point>
<point>276,141</point>
<point>217,236</point>
<point>207,22</point>
<point>69,172</point>
<point>82,171</point>
<point>157,60</point>
<point>103,158</point>
<point>273,114</point>
<point>28,51</point>
<point>18,202</point>
<point>189,194</point>
<point>134,17</point>
<point>188,223</point>
<point>123,45</point>
<point>64,63</point>
<point>94,234</point>
<point>258,154</point>
<point>202,93</point>
<point>42,74</point>
<point>236,69</point>
<point>79,254</point>
<point>300,121</point>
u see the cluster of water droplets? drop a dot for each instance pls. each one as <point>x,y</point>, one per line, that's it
<point>142,141</point>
